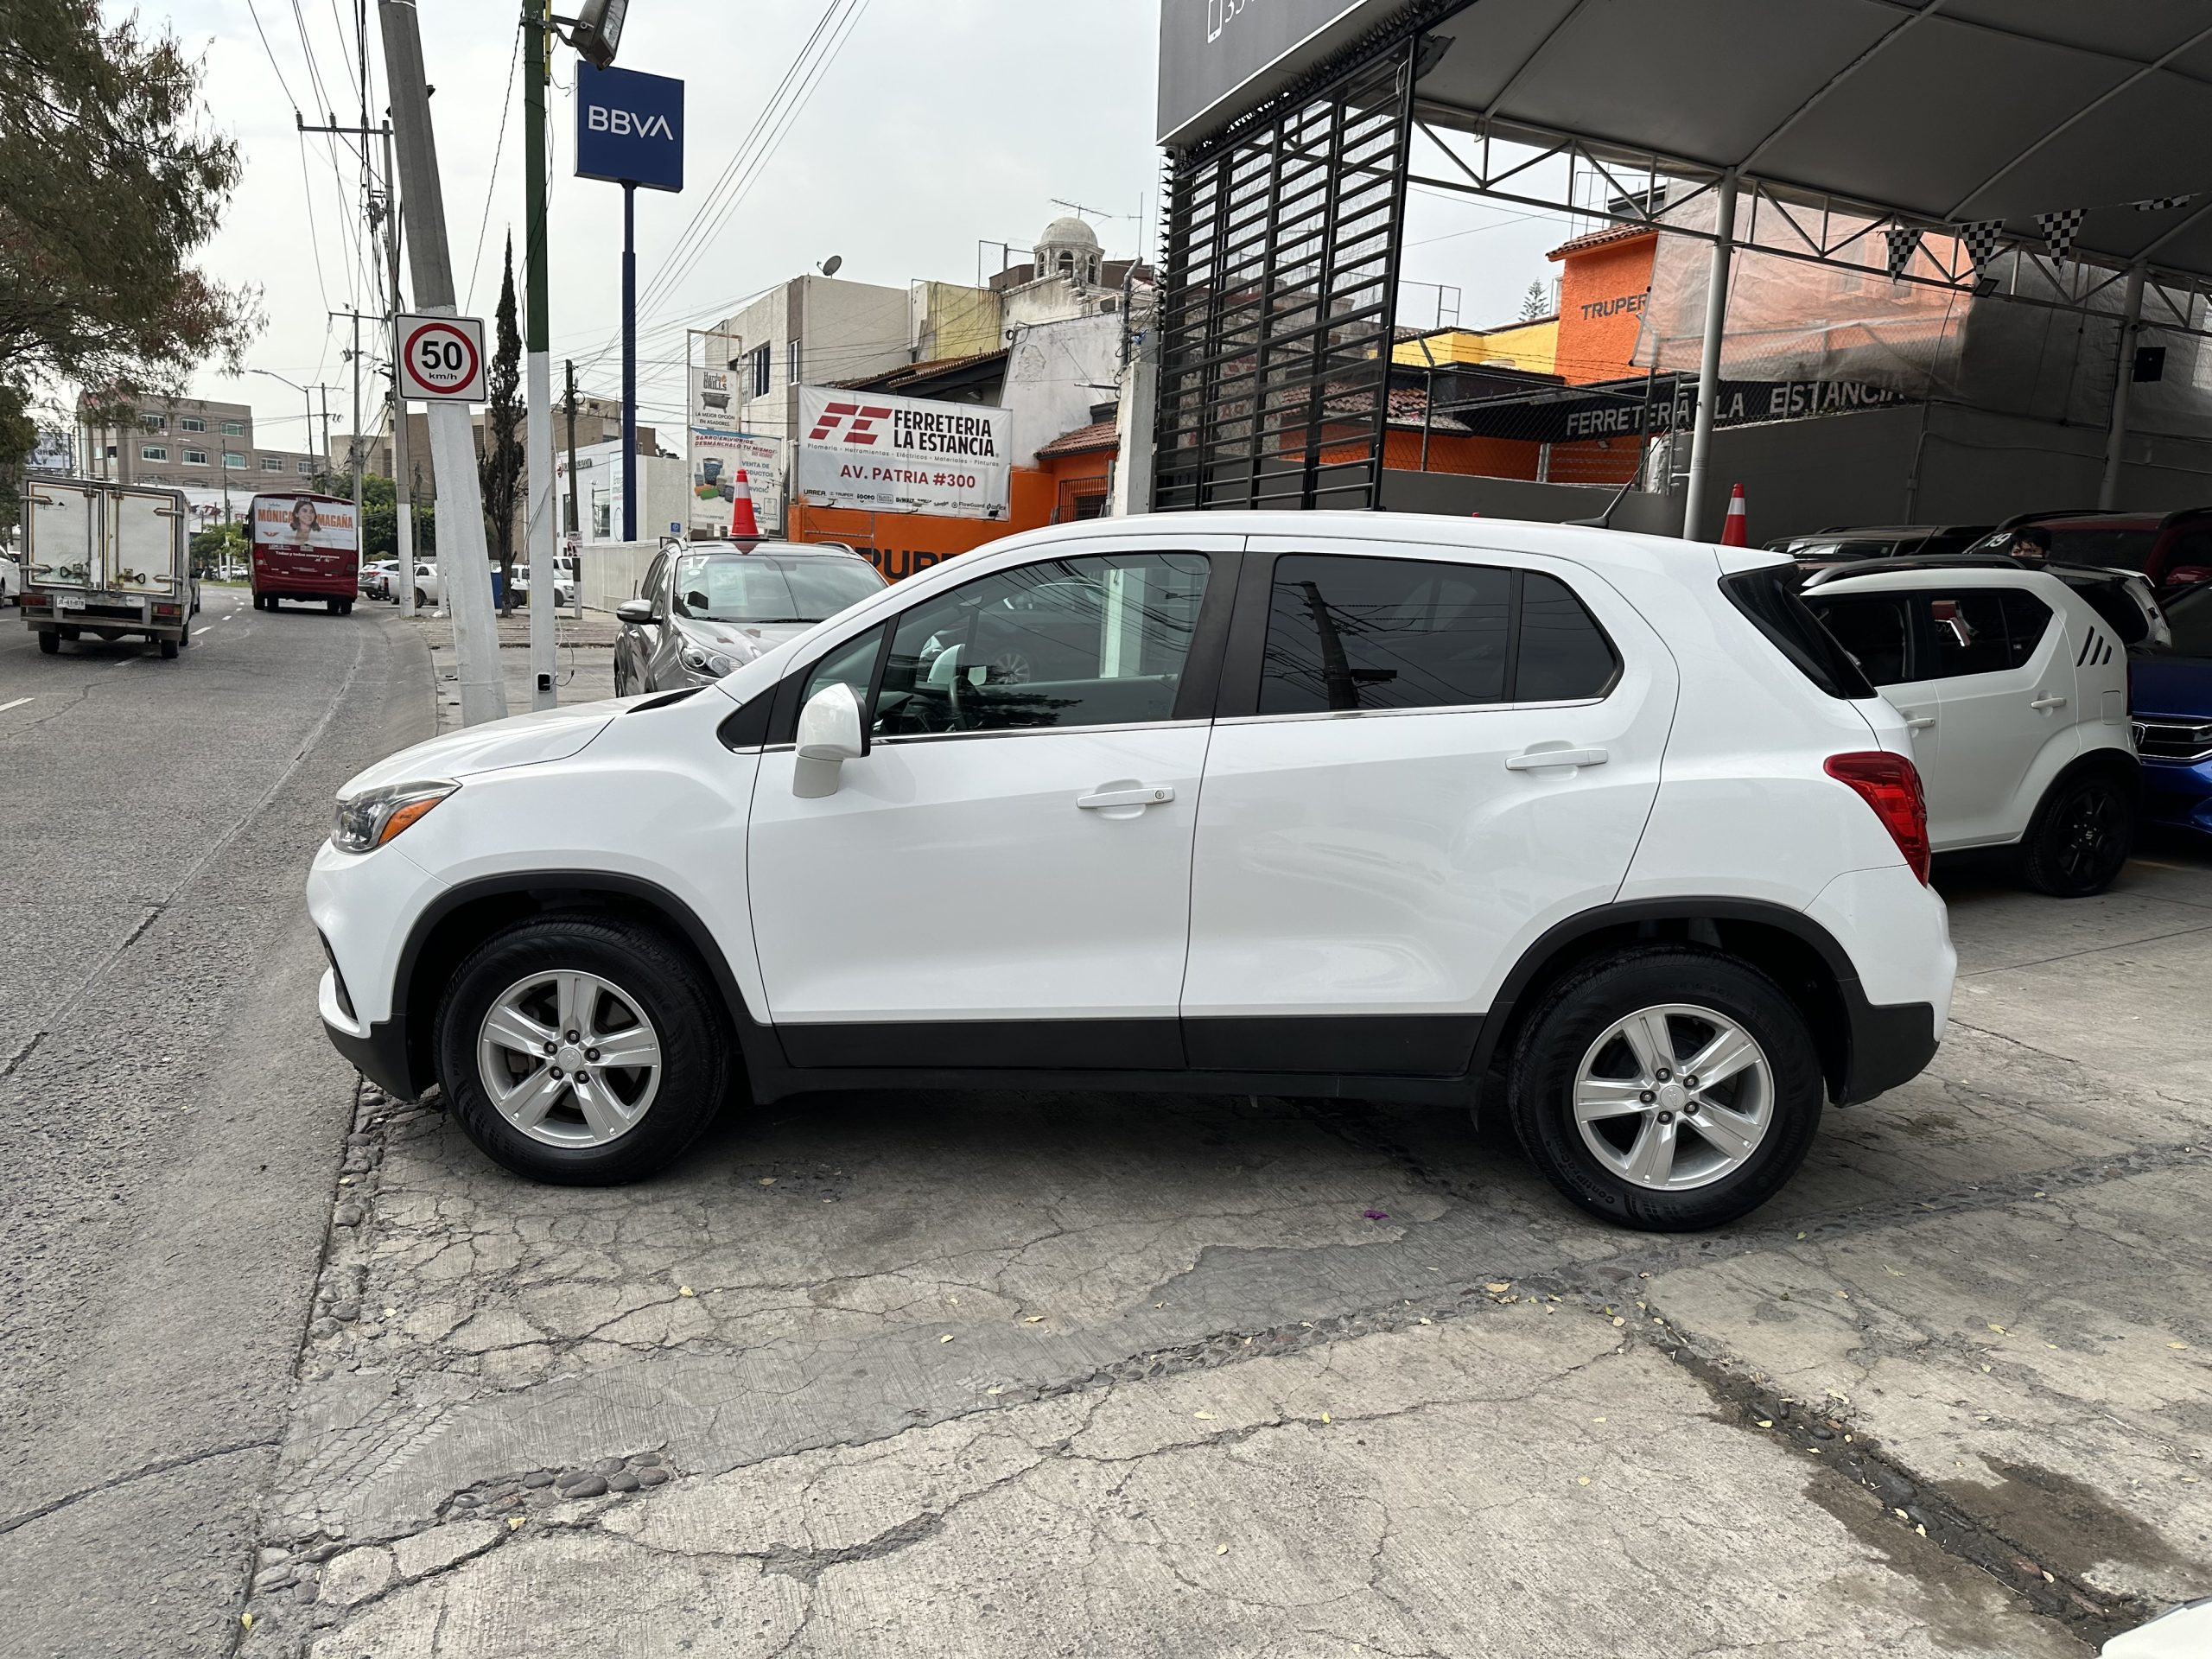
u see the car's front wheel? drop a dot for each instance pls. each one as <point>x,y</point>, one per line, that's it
<point>1667,1088</point>
<point>583,1051</point>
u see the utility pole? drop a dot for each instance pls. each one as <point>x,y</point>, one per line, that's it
<point>403,482</point>
<point>575,527</point>
<point>538,457</point>
<point>462,558</point>
<point>632,485</point>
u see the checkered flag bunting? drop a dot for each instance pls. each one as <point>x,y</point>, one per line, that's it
<point>2060,228</point>
<point>1903,245</point>
<point>2159,204</point>
<point>1980,236</point>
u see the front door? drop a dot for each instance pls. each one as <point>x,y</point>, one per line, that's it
<point>1004,879</point>
<point>1420,765</point>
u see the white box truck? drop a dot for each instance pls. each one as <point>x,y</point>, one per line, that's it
<point>112,560</point>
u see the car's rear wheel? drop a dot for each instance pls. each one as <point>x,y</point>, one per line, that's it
<point>49,642</point>
<point>1667,1088</point>
<point>582,1051</point>
<point>2081,836</point>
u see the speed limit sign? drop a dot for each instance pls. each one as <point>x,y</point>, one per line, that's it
<point>442,359</point>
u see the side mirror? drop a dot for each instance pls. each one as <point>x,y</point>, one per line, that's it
<point>635,612</point>
<point>829,733</point>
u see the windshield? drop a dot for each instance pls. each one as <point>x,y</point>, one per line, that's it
<point>765,588</point>
<point>2113,549</point>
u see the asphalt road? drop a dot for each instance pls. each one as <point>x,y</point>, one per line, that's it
<point>171,1119</point>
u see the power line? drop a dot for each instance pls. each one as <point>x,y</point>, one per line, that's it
<point>783,106</point>
<point>499,149</point>
<point>271,53</point>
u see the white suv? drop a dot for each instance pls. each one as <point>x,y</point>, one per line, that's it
<point>1301,803</point>
<point>2015,688</point>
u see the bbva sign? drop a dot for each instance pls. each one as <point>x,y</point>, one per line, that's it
<point>629,128</point>
<point>599,118</point>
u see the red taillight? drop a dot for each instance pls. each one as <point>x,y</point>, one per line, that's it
<point>1891,785</point>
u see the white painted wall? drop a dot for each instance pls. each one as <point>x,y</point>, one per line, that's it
<point>1056,372</point>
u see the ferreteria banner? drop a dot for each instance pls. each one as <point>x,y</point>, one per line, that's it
<point>902,454</point>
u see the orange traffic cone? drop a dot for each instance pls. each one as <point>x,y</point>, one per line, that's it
<point>743,526</point>
<point>1735,530</point>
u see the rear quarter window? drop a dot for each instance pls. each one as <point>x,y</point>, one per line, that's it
<point>1767,597</point>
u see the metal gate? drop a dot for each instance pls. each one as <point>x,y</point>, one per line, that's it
<point>1279,277</point>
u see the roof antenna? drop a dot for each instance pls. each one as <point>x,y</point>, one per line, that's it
<point>1605,520</point>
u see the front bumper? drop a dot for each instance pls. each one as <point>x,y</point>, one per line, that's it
<point>2177,793</point>
<point>377,1051</point>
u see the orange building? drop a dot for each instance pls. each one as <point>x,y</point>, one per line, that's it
<point>1604,283</point>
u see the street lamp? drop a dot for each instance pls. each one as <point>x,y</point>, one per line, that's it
<point>596,30</point>
<point>307,442</point>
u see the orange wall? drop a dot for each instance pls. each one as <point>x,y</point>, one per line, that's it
<point>1601,297</point>
<point>1079,475</point>
<point>899,544</point>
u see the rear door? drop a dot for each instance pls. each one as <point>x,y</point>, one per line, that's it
<point>2002,664</point>
<point>1877,629</point>
<point>144,529</point>
<point>1381,826</point>
<point>63,530</point>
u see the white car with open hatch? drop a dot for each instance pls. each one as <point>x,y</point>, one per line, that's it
<point>1374,806</point>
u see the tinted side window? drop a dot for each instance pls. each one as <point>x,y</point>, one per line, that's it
<point>1767,595</point>
<point>1564,654</point>
<point>1969,631</point>
<point>851,664</point>
<point>650,586</point>
<point>1093,641</point>
<point>2026,617</point>
<point>1872,629</point>
<point>1347,632</point>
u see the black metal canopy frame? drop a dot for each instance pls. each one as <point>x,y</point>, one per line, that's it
<point>2047,155</point>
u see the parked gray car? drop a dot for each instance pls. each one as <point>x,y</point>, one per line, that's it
<point>701,611</point>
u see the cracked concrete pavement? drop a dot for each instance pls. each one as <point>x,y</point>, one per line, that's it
<point>900,1373</point>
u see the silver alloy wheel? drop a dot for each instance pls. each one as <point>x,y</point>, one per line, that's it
<point>568,1059</point>
<point>1674,1097</point>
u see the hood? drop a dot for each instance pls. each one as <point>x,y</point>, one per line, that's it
<point>741,642</point>
<point>523,741</point>
<point>2179,686</point>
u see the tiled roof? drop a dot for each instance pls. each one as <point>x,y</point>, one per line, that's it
<point>1602,239</point>
<point>1099,435</point>
<point>907,373</point>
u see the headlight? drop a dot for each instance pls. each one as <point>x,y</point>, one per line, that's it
<point>705,662</point>
<point>366,821</point>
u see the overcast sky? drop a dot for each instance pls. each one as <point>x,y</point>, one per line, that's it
<point>939,124</point>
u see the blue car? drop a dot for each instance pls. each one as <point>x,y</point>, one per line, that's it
<point>2170,693</point>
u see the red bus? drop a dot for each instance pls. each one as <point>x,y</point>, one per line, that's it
<point>304,546</point>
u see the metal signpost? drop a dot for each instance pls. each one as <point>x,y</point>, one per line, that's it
<point>630,132</point>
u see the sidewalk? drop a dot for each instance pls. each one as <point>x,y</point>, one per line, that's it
<point>583,669</point>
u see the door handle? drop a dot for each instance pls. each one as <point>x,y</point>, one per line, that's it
<point>2049,700</point>
<point>1918,723</point>
<point>1534,759</point>
<point>1147,795</point>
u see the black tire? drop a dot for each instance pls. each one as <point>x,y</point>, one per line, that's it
<point>668,988</point>
<point>184,639</point>
<point>344,607</point>
<point>2080,837</point>
<point>336,606</point>
<point>49,643</point>
<point>168,650</point>
<point>1578,1011</point>
<point>422,600</point>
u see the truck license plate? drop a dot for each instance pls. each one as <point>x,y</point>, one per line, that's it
<point>69,601</point>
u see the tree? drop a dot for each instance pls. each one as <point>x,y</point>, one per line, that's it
<point>110,181</point>
<point>380,515</point>
<point>499,464</point>
<point>1535,304</point>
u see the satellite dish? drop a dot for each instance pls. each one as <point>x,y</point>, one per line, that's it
<point>833,264</point>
